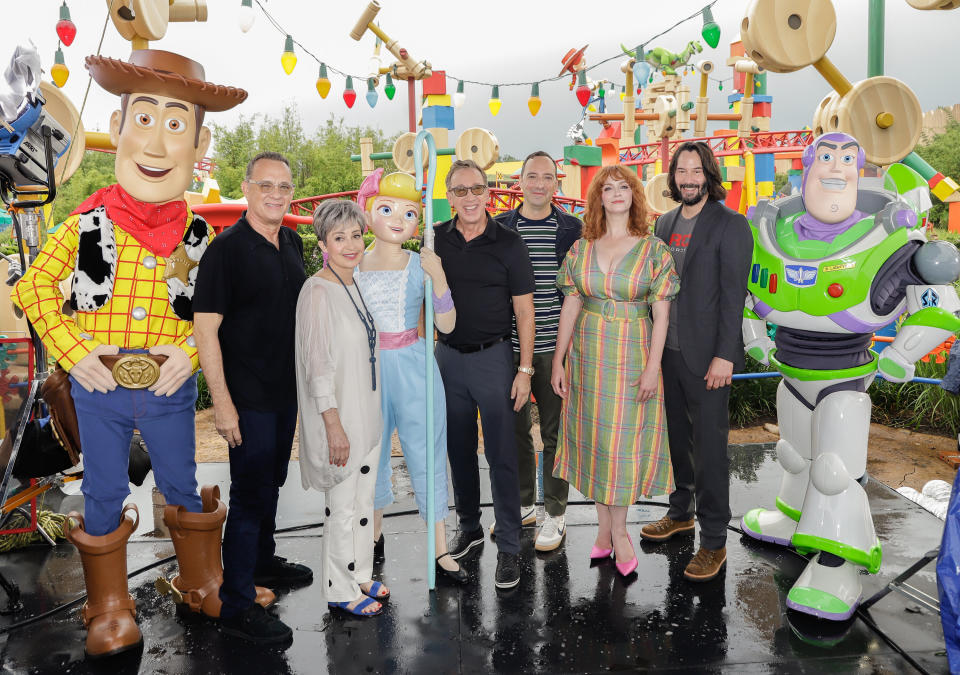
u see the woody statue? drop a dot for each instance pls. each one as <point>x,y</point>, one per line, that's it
<point>133,250</point>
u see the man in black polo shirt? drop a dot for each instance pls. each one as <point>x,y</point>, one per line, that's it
<point>491,280</point>
<point>244,323</point>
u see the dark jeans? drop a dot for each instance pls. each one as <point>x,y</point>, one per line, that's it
<point>698,421</point>
<point>482,381</point>
<point>549,404</point>
<point>258,467</point>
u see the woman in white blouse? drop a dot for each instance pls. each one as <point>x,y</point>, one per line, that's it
<point>339,398</point>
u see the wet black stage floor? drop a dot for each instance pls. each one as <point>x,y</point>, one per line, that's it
<point>565,616</point>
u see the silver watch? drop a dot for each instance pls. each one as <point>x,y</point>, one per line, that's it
<point>527,371</point>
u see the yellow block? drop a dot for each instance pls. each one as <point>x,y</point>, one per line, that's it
<point>765,188</point>
<point>211,191</point>
<point>437,99</point>
<point>443,167</point>
<point>945,188</point>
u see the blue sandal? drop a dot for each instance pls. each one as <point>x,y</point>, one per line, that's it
<point>374,589</point>
<point>358,609</point>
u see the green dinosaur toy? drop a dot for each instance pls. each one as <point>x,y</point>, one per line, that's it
<point>663,59</point>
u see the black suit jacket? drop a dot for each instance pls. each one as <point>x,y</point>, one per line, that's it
<point>713,286</point>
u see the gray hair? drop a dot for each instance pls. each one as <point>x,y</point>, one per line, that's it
<point>335,214</point>
<point>272,156</point>
<point>464,164</point>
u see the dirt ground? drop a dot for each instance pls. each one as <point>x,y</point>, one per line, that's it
<point>897,457</point>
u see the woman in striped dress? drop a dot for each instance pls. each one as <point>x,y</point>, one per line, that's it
<point>612,444</point>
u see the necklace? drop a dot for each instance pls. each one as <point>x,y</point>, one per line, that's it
<point>368,324</point>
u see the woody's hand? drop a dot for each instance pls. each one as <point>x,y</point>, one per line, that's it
<point>92,374</point>
<point>174,372</point>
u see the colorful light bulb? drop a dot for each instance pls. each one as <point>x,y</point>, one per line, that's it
<point>494,103</point>
<point>372,95</point>
<point>710,30</point>
<point>349,95</point>
<point>66,29</point>
<point>59,72</point>
<point>389,88</point>
<point>534,102</point>
<point>323,82</point>
<point>288,59</point>
<point>583,91</point>
<point>459,97</point>
<point>623,92</point>
<point>245,15</point>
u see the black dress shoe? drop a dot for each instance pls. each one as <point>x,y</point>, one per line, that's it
<point>378,555</point>
<point>279,572</point>
<point>458,576</point>
<point>256,625</point>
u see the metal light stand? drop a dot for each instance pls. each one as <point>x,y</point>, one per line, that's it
<point>13,196</point>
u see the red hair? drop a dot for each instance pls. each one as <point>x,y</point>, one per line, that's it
<point>595,218</point>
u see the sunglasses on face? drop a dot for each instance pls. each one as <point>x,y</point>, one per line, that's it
<point>461,191</point>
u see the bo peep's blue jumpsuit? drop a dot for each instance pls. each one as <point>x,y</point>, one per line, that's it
<point>395,298</point>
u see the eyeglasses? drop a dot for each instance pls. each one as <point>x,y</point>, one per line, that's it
<point>461,191</point>
<point>266,187</point>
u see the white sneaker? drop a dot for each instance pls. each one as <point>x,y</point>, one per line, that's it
<point>528,516</point>
<point>551,533</point>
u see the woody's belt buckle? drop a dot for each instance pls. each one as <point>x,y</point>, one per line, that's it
<point>135,371</point>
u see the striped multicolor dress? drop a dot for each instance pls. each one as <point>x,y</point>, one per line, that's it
<point>611,447</point>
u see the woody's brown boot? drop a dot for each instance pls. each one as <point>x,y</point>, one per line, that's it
<point>109,613</point>
<point>196,540</point>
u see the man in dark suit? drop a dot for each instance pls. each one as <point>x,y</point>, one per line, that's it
<point>712,248</point>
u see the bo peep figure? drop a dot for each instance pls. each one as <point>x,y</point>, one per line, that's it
<point>392,281</point>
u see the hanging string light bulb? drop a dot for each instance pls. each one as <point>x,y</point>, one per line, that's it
<point>583,91</point>
<point>245,15</point>
<point>66,29</point>
<point>459,97</point>
<point>389,88</point>
<point>720,85</point>
<point>349,95</point>
<point>623,92</point>
<point>534,102</point>
<point>494,103</point>
<point>59,72</point>
<point>323,82</point>
<point>710,30</point>
<point>372,92</point>
<point>289,58</point>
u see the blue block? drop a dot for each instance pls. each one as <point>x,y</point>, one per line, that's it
<point>764,167</point>
<point>438,117</point>
<point>763,98</point>
<point>733,98</point>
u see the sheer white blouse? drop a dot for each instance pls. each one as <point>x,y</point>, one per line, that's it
<point>333,371</point>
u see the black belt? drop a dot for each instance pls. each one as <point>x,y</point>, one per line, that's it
<point>469,349</point>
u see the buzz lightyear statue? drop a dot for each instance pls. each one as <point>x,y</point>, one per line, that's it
<point>831,266</point>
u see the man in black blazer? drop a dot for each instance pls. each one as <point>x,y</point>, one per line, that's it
<point>712,248</point>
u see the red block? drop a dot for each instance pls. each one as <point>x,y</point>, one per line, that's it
<point>796,163</point>
<point>586,177</point>
<point>733,196</point>
<point>762,109</point>
<point>436,83</point>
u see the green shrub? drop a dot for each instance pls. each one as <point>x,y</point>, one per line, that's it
<point>203,394</point>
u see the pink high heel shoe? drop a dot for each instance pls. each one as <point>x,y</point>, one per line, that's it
<point>597,553</point>
<point>627,568</point>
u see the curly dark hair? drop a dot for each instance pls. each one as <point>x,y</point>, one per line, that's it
<point>711,169</point>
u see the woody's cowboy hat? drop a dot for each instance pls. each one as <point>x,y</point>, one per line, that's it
<point>153,71</point>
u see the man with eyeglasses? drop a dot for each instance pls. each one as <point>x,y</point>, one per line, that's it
<point>548,233</point>
<point>245,308</point>
<point>491,280</point>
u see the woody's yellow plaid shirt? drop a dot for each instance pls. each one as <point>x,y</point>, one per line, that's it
<point>69,339</point>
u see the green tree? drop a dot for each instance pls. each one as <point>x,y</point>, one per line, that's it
<point>943,154</point>
<point>95,172</point>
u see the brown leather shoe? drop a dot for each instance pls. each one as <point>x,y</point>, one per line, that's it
<point>706,564</point>
<point>665,528</point>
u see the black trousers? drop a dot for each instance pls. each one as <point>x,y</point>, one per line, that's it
<point>482,381</point>
<point>258,468</point>
<point>698,422</point>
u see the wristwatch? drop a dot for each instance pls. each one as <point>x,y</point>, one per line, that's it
<point>527,371</point>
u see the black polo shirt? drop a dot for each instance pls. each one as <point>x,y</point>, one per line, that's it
<point>255,286</point>
<point>484,275</point>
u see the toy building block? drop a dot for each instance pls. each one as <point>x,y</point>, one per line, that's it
<point>437,99</point>
<point>570,183</point>
<point>436,83</point>
<point>953,216</point>
<point>734,174</point>
<point>583,155</point>
<point>760,123</point>
<point>945,187</point>
<point>734,192</point>
<point>764,188</point>
<point>765,169</point>
<point>609,143</point>
<point>761,108</point>
<point>438,116</point>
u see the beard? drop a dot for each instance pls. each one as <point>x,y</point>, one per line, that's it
<point>690,201</point>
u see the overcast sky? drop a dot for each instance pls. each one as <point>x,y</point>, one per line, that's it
<point>490,41</point>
